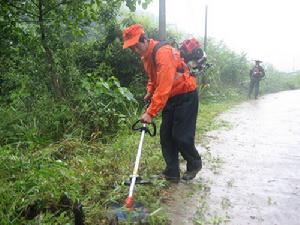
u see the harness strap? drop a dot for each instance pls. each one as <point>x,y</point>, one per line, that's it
<point>158,46</point>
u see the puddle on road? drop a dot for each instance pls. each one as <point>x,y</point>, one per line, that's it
<point>251,172</point>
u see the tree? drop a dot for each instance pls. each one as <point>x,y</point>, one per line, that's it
<point>55,22</point>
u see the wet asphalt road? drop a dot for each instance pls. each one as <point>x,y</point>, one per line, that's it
<point>259,181</point>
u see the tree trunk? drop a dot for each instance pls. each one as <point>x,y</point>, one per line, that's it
<point>55,82</point>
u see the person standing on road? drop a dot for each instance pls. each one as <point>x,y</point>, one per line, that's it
<point>256,74</point>
<point>172,90</point>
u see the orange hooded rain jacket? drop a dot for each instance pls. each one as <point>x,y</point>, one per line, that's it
<point>163,79</point>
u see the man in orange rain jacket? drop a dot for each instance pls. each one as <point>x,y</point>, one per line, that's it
<point>171,89</point>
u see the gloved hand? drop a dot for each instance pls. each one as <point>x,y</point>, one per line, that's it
<point>146,118</point>
<point>147,97</point>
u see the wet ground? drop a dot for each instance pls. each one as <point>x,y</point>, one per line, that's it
<point>251,173</point>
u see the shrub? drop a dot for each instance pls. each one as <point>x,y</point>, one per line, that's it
<point>103,106</point>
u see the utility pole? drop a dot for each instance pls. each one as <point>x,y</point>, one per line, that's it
<point>162,20</point>
<point>205,32</point>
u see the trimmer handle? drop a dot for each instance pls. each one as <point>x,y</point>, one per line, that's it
<point>145,128</point>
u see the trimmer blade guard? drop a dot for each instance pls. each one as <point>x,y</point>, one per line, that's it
<point>119,213</point>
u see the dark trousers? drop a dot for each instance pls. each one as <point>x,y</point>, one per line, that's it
<point>254,83</point>
<point>177,132</point>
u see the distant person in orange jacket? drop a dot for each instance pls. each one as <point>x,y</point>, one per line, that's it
<point>172,90</point>
<point>256,74</point>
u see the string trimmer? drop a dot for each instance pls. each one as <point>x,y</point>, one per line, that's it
<point>131,210</point>
<point>135,177</point>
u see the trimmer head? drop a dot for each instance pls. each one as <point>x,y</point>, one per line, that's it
<point>136,213</point>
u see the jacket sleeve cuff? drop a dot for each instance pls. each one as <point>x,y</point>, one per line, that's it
<point>149,90</point>
<point>151,113</point>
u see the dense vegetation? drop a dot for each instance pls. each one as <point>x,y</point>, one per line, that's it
<point>68,96</point>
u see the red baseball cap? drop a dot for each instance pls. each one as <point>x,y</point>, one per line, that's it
<point>132,34</point>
